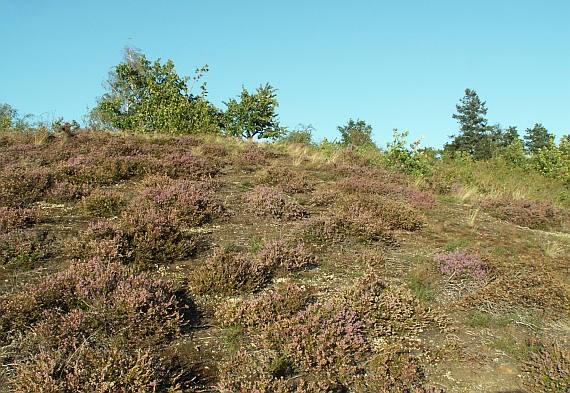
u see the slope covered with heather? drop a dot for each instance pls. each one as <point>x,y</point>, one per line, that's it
<point>181,264</point>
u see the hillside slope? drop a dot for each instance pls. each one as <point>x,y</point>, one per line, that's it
<point>210,264</point>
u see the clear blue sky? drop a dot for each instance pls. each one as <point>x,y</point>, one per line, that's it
<point>395,64</point>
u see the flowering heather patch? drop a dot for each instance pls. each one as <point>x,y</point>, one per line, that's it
<point>288,258</point>
<point>66,191</point>
<point>386,184</point>
<point>192,202</point>
<point>186,165</point>
<point>250,157</point>
<point>330,341</point>
<point>228,272</point>
<point>100,314</point>
<point>528,289</point>
<point>461,263</point>
<point>548,369</point>
<point>213,150</point>
<point>282,301</point>
<point>15,218</point>
<point>25,249</point>
<point>269,201</point>
<point>286,180</point>
<point>143,236</point>
<point>20,187</point>
<point>103,203</point>
<point>527,213</point>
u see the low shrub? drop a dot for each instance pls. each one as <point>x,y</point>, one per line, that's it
<point>93,327</point>
<point>186,165</point>
<point>143,236</point>
<point>285,179</point>
<point>25,249</point>
<point>16,218</point>
<point>230,272</point>
<point>66,191</point>
<point>330,341</point>
<point>548,369</point>
<point>282,301</point>
<point>193,203</point>
<point>380,212</point>
<point>332,228</point>
<point>527,213</point>
<point>20,187</point>
<point>528,289</point>
<point>269,201</point>
<point>104,203</point>
<point>280,255</point>
<point>461,263</point>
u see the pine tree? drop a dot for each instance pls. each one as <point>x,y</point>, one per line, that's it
<point>537,137</point>
<point>473,136</point>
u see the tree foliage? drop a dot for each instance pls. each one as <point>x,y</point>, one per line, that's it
<point>356,133</point>
<point>537,138</point>
<point>253,115</point>
<point>11,120</point>
<point>302,134</point>
<point>474,133</point>
<point>150,97</point>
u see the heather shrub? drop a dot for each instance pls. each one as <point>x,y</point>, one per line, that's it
<point>380,212</point>
<point>251,157</point>
<point>331,341</point>
<point>16,218</point>
<point>143,236</point>
<point>325,337</point>
<point>108,296</point>
<point>527,213</point>
<point>21,249</point>
<point>66,191</point>
<point>186,165</point>
<point>548,369</point>
<point>102,315</point>
<point>230,272</point>
<point>20,187</point>
<point>280,255</point>
<point>395,370</point>
<point>191,202</point>
<point>213,150</point>
<point>100,368</point>
<point>285,179</point>
<point>103,203</point>
<point>461,263</point>
<point>334,228</point>
<point>97,169</point>
<point>282,301</point>
<point>516,289</point>
<point>268,201</point>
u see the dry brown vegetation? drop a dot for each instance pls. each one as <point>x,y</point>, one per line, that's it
<point>163,264</point>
